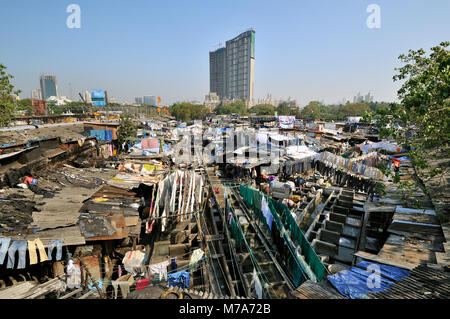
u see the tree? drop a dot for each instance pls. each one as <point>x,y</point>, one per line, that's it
<point>126,129</point>
<point>187,111</point>
<point>420,122</point>
<point>26,106</point>
<point>263,109</point>
<point>311,111</point>
<point>236,107</point>
<point>378,105</point>
<point>353,109</point>
<point>284,109</point>
<point>7,100</point>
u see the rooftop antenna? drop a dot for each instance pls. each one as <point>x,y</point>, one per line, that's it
<point>217,46</point>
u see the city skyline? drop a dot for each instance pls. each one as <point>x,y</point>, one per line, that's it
<point>316,51</point>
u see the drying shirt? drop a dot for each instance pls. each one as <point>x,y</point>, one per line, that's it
<point>160,269</point>
<point>266,212</point>
<point>74,275</point>
<point>196,256</point>
<point>258,287</point>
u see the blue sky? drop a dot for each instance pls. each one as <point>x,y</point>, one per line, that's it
<point>310,50</point>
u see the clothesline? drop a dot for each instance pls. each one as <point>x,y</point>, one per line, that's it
<point>169,272</point>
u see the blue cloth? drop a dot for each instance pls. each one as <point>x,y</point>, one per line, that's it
<point>269,219</point>
<point>108,135</point>
<point>391,272</point>
<point>165,148</point>
<point>180,279</point>
<point>21,247</point>
<point>4,244</point>
<point>4,145</point>
<point>103,135</point>
<point>55,243</point>
<point>91,286</point>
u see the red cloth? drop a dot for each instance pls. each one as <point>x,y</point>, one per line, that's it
<point>396,162</point>
<point>150,144</point>
<point>28,180</point>
<point>141,284</point>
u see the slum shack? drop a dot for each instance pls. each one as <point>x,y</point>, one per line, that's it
<point>257,207</point>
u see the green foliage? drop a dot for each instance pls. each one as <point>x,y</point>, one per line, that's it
<point>374,106</point>
<point>25,105</point>
<point>126,129</point>
<point>353,109</point>
<point>72,107</point>
<point>187,111</point>
<point>311,111</point>
<point>420,123</point>
<point>237,107</point>
<point>284,109</point>
<point>316,110</point>
<point>262,109</point>
<point>7,101</point>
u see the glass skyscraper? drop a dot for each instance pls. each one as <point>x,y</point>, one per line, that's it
<point>232,68</point>
<point>48,86</point>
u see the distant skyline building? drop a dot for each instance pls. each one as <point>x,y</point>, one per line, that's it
<point>360,98</point>
<point>139,100</point>
<point>218,72</point>
<point>36,94</point>
<point>274,102</point>
<point>49,86</point>
<point>212,100</point>
<point>232,68</point>
<point>87,97</point>
<point>149,100</point>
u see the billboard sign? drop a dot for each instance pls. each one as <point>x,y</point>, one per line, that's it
<point>286,122</point>
<point>98,97</point>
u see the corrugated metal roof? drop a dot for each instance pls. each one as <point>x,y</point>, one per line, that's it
<point>312,290</point>
<point>423,283</point>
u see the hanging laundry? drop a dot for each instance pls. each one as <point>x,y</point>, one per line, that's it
<point>32,245</point>
<point>124,288</point>
<point>160,269</point>
<point>73,275</point>
<point>195,257</point>
<point>141,284</point>
<point>4,245</point>
<point>179,279</point>
<point>151,145</point>
<point>55,243</point>
<point>266,212</point>
<point>258,287</point>
<point>21,247</point>
<point>133,261</point>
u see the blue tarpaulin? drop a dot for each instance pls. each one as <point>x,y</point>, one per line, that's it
<point>180,279</point>
<point>400,158</point>
<point>357,282</point>
<point>104,135</point>
<point>354,285</point>
<point>391,272</point>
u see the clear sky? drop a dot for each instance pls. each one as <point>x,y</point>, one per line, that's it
<point>310,50</point>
